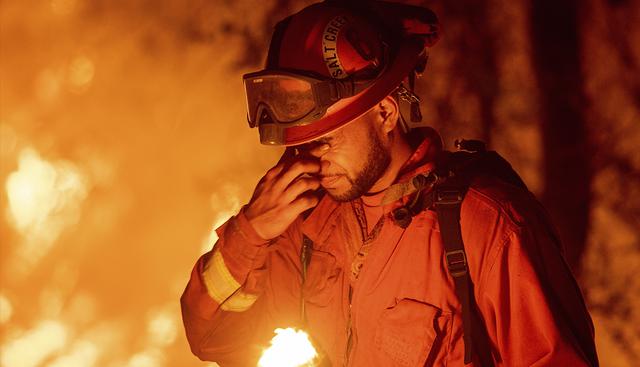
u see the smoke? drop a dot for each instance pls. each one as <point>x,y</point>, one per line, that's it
<point>124,141</point>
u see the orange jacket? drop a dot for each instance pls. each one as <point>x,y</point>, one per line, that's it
<point>403,308</point>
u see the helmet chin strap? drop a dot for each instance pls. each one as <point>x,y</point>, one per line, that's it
<point>409,104</point>
<point>416,114</point>
<point>409,101</point>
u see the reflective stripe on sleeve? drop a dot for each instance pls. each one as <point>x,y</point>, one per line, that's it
<point>223,287</point>
<point>239,302</point>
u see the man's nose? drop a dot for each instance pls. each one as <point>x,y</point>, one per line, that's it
<point>324,166</point>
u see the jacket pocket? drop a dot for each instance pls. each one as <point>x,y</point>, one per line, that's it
<point>411,333</point>
<point>322,274</point>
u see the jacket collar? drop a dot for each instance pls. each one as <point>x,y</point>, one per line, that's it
<point>320,223</point>
<point>421,162</point>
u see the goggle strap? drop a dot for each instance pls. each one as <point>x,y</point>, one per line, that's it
<point>327,93</point>
<point>346,88</point>
<point>350,87</point>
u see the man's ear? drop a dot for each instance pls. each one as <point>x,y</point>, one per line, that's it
<point>388,111</point>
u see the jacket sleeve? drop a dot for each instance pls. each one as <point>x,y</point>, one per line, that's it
<point>223,307</point>
<point>532,306</point>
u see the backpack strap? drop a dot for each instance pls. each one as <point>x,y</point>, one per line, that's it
<point>443,190</point>
<point>458,169</point>
<point>447,201</point>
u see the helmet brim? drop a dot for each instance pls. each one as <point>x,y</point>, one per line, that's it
<point>349,109</point>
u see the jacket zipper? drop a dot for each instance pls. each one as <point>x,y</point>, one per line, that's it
<point>349,330</point>
<point>352,336</point>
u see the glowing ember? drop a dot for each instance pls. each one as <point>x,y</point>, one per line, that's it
<point>289,348</point>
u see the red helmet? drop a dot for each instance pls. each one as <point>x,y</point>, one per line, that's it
<point>332,62</point>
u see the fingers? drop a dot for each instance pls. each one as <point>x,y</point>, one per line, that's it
<point>296,169</point>
<point>284,161</point>
<point>299,186</point>
<point>304,202</point>
<point>282,194</point>
<point>273,172</point>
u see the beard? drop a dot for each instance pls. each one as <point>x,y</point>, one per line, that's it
<point>376,163</point>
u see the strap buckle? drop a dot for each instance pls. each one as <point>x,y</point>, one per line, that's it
<point>407,95</point>
<point>448,197</point>
<point>456,263</point>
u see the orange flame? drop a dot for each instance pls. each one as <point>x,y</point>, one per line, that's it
<point>289,348</point>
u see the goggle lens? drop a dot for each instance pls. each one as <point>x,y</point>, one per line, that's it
<point>288,98</point>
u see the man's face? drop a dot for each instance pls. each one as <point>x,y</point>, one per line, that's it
<point>352,158</point>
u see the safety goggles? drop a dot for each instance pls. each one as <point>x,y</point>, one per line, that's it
<point>294,99</point>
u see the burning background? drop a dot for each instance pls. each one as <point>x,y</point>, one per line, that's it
<point>124,143</point>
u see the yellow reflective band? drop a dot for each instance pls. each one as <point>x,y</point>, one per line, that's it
<point>217,278</point>
<point>239,302</point>
<point>223,287</point>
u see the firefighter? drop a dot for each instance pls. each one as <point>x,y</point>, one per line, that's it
<point>340,239</point>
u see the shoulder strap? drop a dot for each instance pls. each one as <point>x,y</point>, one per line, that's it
<point>447,201</point>
<point>458,170</point>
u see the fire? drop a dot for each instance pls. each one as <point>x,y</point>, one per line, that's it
<point>289,348</point>
<point>227,204</point>
<point>44,199</point>
<point>6,309</point>
<point>33,347</point>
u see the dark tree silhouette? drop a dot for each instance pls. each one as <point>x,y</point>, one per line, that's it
<point>475,57</point>
<point>567,168</point>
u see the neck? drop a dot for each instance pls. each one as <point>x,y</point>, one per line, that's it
<point>400,153</point>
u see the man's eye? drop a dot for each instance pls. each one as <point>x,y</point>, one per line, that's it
<point>321,147</point>
<point>313,148</point>
<point>316,145</point>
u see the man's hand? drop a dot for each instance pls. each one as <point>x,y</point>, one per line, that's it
<point>282,194</point>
